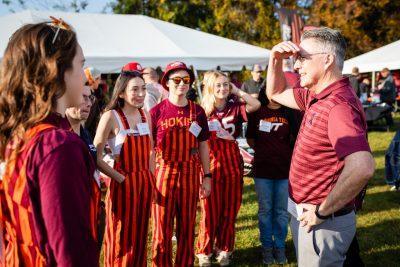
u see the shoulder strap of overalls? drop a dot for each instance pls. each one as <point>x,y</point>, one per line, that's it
<point>124,120</point>
<point>192,108</point>
<point>142,115</point>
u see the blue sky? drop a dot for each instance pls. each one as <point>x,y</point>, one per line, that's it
<point>94,6</point>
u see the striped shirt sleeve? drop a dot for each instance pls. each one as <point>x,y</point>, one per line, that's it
<point>346,131</point>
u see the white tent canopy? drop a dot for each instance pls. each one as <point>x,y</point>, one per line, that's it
<point>109,41</point>
<point>387,56</point>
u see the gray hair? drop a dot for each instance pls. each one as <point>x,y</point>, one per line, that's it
<point>331,41</point>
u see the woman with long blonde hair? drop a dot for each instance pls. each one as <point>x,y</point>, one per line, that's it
<point>225,113</point>
<point>46,187</point>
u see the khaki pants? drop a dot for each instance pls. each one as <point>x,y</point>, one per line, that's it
<point>326,245</point>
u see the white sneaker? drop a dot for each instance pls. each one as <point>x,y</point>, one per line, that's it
<point>204,260</point>
<point>223,257</point>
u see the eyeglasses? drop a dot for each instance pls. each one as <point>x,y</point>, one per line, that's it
<point>89,98</point>
<point>302,58</point>
<point>177,80</point>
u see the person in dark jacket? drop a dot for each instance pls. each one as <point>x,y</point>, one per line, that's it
<point>93,76</point>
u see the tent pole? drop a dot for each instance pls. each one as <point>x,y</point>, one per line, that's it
<point>198,83</point>
<point>373,80</point>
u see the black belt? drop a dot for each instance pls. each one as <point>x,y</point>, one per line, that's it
<point>344,211</point>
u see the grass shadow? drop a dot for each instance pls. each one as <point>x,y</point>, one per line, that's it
<point>380,201</point>
<point>379,243</point>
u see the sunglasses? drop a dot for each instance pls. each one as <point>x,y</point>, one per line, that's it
<point>178,80</point>
<point>301,58</point>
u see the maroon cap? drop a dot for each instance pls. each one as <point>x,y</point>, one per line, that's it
<point>176,65</point>
<point>133,66</point>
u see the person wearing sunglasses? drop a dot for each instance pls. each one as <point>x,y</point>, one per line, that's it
<point>125,127</point>
<point>252,86</point>
<point>180,131</point>
<point>47,184</point>
<point>155,93</point>
<point>332,160</point>
<point>218,212</point>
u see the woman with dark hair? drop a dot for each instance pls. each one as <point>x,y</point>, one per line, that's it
<point>125,127</point>
<point>46,187</point>
<point>272,132</point>
<point>180,130</point>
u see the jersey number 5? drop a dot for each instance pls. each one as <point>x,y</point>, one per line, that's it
<point>229,125</point>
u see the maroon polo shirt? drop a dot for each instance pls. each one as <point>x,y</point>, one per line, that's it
<point>333,127</point>
<point>166,115</point>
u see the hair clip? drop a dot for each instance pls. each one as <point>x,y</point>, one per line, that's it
<point>59,24</point>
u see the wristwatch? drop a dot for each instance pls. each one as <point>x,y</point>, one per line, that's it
<point>208,175</point>
<point>319,216</point>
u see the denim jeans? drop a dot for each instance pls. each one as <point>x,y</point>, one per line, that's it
<point>272,211</point>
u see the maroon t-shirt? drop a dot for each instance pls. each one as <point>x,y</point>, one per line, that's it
<point>166,115</point>
<point>272,152</point>
<point>59,172</point>
<point>333,127</point>
<point>231,117</point>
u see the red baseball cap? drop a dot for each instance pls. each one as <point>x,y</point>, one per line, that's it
<point>133,66</point>
<point>176,65</point>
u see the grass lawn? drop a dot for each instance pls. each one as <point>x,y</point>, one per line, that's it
<point>378,224</point>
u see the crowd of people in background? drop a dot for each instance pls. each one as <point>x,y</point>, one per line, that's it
<point>311,155</point>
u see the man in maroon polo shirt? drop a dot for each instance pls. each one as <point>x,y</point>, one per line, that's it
<point>331,160</point>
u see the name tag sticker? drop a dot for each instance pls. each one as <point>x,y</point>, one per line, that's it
<point>213,125</point>
<point>224,134</point>
<point>265,126</point>
<point>143,128</point>
<point>195,129</point>
<point>294,209</point>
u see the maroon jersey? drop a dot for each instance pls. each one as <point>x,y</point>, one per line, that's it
<point>231,117</point>
<point>272,152</point>
<point>166,115</point>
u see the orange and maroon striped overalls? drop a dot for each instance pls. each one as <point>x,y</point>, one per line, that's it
<point>16,209</point>
<point>128,203</point>
<point>177,183</point>
<point>220,209</point>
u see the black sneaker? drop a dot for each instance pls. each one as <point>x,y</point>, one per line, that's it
<point>279,255</point>
<point>267,256</point>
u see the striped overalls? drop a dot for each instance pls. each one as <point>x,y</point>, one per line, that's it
<point>128,203</point>
<point>219,210</point>
<point>177,183</point>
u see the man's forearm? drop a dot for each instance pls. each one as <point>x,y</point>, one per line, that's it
<point>276,81</point>
<point>354,177</point>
